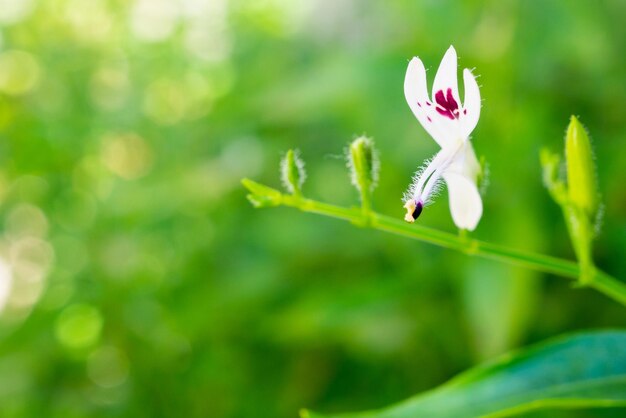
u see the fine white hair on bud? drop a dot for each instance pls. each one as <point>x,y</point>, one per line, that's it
<point>597,224</point>
<point>363,163</point>
<point>292,172</point>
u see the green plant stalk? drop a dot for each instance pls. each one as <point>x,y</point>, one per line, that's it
<point>581,236</point>
<point>575,216</point>
<point>366,207</point>
<point>596,278</point>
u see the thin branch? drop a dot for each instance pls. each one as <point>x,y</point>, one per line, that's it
<point>599,280</point>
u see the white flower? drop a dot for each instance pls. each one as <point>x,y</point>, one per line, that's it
<point>450,124</point>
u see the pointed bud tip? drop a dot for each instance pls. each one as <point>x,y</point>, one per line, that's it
<point>581,174</point>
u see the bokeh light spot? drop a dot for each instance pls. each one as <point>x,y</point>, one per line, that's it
<point>14,11</point>
<point>19,72</point>
<point>154,20</point>
<point>6,278</point>
<point>107,367</point>
<point>31,259</point>
<point>109,87</point>
<point>26,220</point>
<point>90,20</point>
<point>127,155</point>
<point>207,45</point>
<point>165,102</point>
<point>30,188</point>
<point>79,326</point>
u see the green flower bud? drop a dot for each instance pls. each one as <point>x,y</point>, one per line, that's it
<point>292,172</point>
<point>261,196</point>
<point>363,164</point>
<point>550,163</point>
<point>581,180</point>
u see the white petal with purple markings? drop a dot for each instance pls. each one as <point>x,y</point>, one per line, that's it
<point>450,123</point>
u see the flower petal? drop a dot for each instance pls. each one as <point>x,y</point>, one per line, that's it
<point>416,94</point>
<point>466,206</point>
<point>471,104</point>
<point>446,87</point>
<point>465,162</point>
<point>415,82</point>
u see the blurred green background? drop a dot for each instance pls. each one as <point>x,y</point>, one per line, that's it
<point>137,281</point>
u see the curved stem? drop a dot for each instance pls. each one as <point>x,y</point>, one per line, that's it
<point>599,280</point>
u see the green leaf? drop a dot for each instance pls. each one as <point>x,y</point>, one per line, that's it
<point>576,371</point>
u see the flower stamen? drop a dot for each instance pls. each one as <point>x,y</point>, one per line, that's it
<point>413,210</point>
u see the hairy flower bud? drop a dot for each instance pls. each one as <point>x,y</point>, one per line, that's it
<point>292,172</point>
<point>581,177</point>
<point>363,164</point>
<point>551,163</point>
<point>261,196</point>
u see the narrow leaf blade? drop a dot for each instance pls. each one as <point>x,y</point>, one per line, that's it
<point>577,371</point>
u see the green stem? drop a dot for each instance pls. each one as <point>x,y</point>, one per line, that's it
<point>609,285</point>
<point>599,280</point>
<point>581,235</point>
<point>366,209</point>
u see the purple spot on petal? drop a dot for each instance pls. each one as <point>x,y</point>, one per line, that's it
<point>446,105</point>
<point>429,119</point>
<point>418,104</point>
<point>465,111</point>
<point>428,103</point>
<point>440,99</point>
<point>452,104</point>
